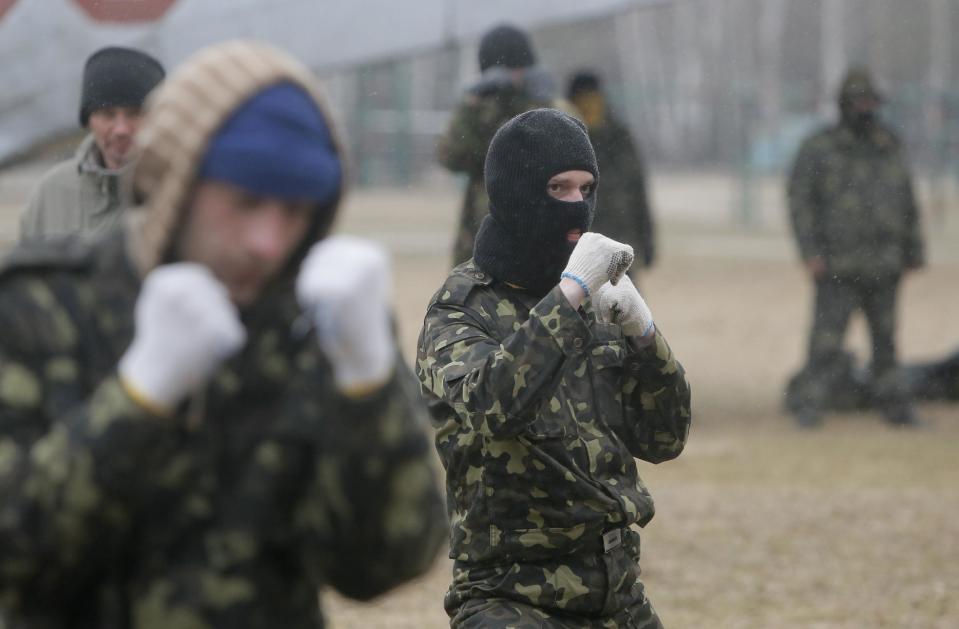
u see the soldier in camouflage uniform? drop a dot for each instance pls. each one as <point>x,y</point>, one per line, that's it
<point>855,218</point>
<point>624,213</point>
<point>203,418</point>
<point>510,84</point>
<point>542,390</point>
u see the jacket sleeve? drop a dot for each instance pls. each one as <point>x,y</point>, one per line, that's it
<point>374,515</point>
<point>804,200</point>
<point>64,483</point>
<point>495,386</point>
<point>640,194</point>
<point>913,246</point>
<point>656,399</point>
<point>462,148</point>
<point>31,219</point>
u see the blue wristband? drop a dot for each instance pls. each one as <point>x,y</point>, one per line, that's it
<point>581,283</point>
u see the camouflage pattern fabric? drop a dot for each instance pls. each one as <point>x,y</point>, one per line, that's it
<point>462,149</point>
<point>836,300</point>
<point>852,204</point>
<point>545,593</point>
<point>539,410</point>
<point>622,210</point>
<point>264,487</point>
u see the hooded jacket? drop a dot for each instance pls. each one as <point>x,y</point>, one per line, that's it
<point>77,196</point>
<point>265,486</point>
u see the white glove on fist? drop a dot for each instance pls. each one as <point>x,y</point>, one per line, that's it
<point>344,286</point>
<point>623,305</point>
<point>186,326</point>
<point>597,260</point>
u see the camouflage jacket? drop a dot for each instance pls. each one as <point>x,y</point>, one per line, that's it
<point>539,411</point>
<point>78,196</point>
<point>622,210</point>
<point>462,149</point>
<point>851,203</point>
<point>264,487</point>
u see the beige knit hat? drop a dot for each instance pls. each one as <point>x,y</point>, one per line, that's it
<point>182,116</point>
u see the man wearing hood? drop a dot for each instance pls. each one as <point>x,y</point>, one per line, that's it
<point>625,212</point>
<point>855,219</point>
<point>510,83</point>
<point>203,418</point>
<point>88,193</point>
<point>545,375</point>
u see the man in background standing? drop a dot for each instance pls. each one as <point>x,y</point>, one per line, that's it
<point>86,194</point>
<point>623,212</point>
<point>510,84</point>
<point>857,225</point>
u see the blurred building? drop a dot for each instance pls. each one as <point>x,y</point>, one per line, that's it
<point>726,84</point>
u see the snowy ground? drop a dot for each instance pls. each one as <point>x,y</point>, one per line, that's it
<point>758,525</point>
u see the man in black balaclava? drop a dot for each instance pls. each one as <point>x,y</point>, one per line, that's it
<point>545,376</point>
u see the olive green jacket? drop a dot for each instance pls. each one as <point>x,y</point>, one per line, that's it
<point>852,204</point>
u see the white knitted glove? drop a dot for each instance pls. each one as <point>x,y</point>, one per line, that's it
<point>186,326</point>
<point>344,285</point>
<point>623,305</point>
<point>597,260</point>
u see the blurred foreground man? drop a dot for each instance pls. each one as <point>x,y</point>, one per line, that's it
<point>544,380</point>
<point>203,418</point>
<point>625,213</point>
<point>855,218</point>
<point>87,194</point>
<point>510,84</point>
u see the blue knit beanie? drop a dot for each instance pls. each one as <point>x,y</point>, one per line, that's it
<point>277,145</point>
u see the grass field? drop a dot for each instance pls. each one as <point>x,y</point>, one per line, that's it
<point>759,525</point>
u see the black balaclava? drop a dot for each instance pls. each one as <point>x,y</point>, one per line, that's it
<point>523,241</point>
<point>857,89</point>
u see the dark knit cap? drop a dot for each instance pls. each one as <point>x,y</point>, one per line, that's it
<point>117,77</point>
<point>584,81</point>
<point>505,46</point>
<point>277,144</point>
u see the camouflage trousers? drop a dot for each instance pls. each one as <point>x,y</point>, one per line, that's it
<point>837,298</point>
<point>579,591</point>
